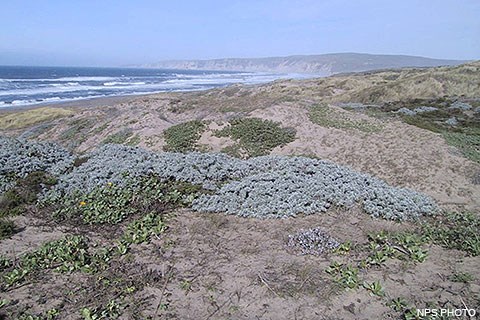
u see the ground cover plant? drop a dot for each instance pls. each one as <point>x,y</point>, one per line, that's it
<point>119,137</point>
<point>118,199</point>
<point>183,137</point>
<point>255,137</point>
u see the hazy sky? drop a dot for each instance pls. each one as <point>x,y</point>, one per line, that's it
<point>111,33</point>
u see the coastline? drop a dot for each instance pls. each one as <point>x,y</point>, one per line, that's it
<point>84,103</point>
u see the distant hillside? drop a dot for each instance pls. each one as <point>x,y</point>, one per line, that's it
<point>324,64</point>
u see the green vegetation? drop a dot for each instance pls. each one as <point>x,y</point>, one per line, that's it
<point>344,275</point>
<point>344,248</point>
<point>397,304</point>
<point>468,144</point>
<point>327,117</point>
<point>464,277</point>
<point>111,311</point>
<point>455,231</point>
<point>119,137</point>
<point>375,288</point>
<point>77,130</point>
<point>183,137</point>
<point>255,137</point>
<point>402,245</point>
<point>17,120</point>
<point>140,231</point>
<point>7,228</point>
<point>64,255</point>
<point>111,204</point>
<point>133,141</point>
<point>464,135</point>
<point>16,200</point>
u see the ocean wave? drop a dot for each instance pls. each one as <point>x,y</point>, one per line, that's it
<point>65,84</point>
<point>64,79</point>
<point>46,90</point>
<point>41,91</point>
<point>116,83</point>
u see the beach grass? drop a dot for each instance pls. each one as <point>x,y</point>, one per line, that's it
<point>23,119</point>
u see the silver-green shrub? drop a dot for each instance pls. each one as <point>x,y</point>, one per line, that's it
<point>19,157</point>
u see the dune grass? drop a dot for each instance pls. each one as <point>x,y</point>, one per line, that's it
<point>23,119</point>
<point>329,118</point>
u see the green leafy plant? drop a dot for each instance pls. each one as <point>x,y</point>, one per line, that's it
<point>111,204</point>
<point>397,304</point>
<point>344,248</point>
<point>63,255</point>
<point>255,137</point>
<point>141,230</point>
<point>455,231</point>
<point>186,285</point>
<point>110,311</point>
<point>374,288</point>
<point>7,228</point>
<point>183,137</point>
<point>345,275</point>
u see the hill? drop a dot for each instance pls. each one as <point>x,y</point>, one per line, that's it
<point>323,64</point>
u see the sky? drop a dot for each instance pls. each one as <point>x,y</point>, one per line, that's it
<point>121,32</point>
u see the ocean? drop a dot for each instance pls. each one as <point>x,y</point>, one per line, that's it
<point>20,85</point>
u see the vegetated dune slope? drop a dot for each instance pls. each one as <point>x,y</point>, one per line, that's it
<point>172,262</point>
<point>401,154</point>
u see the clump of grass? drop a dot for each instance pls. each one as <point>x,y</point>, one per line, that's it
<point>77,129</point>
<point>328,117</point>
<point>28,118</point>
<point>183,137</point>
<point>119,137</point>
<point>15,200</point>
<point>464,277</point>
<point>455,231</point>
<point>7,228</point>
<point>255,137</point>
<point>133,141</point>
